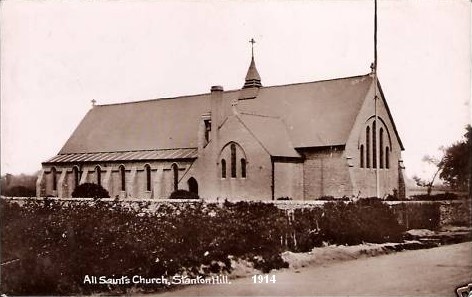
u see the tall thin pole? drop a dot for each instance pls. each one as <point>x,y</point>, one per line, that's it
<point>375,102</point>
<point>375,35</point>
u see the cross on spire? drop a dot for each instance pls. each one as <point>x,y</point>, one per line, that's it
<point>93,102</point>
<point>252,41</point>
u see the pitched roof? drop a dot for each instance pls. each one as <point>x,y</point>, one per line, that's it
<point>315,114</point>
<point>143,125</point>
<point>277,143</point>
<point>170,154</point>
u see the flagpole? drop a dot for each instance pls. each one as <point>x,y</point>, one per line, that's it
<point>375,101</point>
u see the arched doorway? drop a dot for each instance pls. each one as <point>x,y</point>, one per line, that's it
<point>192,185</point>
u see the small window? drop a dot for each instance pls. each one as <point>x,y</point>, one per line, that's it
<point>243,168</point>
<point>148,177</point>
<point>367,147</point>
<point>374,145</point>
<point>387,158</point>
<point>381,160</point>
<point>175,170</point>
<point>75,171</point>
<point>54,178</point>
<point>98,173</point>
<point>362,156</point>
<point>207,130</point>
<point>223,168</point>
<point>123,178</point>
<point>233,160</point>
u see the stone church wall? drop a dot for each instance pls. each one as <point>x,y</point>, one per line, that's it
<point>364,179</point>
<point>208,167</point>
<point>135,174</point>
<point>288,180</point>
<point>325,173</point>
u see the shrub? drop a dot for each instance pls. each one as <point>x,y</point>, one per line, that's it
<point>183,194</point>
<point>90,190</point>
<point>19,191</point>
<point>367,220</point>
<point>435,197</point>
<point>284,198</point>
<point>58,242</point>
<point>332,198</point>
<point>418,215</point>
<point>306,229</point>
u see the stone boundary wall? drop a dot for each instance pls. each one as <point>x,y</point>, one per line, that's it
<point>451,212</point>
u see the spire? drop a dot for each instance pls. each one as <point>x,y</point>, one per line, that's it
<point>253,79</point>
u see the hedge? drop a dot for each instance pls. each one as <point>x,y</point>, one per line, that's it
<point>53,244</point>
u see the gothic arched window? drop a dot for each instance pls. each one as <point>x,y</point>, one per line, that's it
<point>387,158</point>
<point>175,171</point>
<point>367,147</point>
<point>233,160</point>
<point>381,152</point>
<point>123,177</point>
<point>223,168</point>
<point>147,168</point>
<point>243,168</point>
<point>98,174</point>
<point>362,156</point>
<point>374,145</point>
<point>75,172</point>
<point>54,178</point>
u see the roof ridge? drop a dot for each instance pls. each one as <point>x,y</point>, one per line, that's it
<point>231,91</point>
<point>130,151</point>
<point>317,81</point>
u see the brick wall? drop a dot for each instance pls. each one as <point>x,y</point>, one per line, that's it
<point>325,173</point>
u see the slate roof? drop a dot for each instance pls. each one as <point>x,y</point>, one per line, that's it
<point>189,153</point>
<point>317,113</point>
<point>313,114</point>
<point>271,133</point>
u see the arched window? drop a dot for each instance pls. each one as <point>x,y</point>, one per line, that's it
<point>233,160</point>
<point>192,185</point>
<point>381,157</point>
<point>387,158</point>
<point>175,171</point>
<point>98,174</point>
<point>75,172</point>
<point>362,156</point>
<point>54,178</point>
<point>367,147</point>
<point>243,168</point>
<point>223,168</point>
<point>374,145</point>
<point>148,177</point>
<point>123,178</point>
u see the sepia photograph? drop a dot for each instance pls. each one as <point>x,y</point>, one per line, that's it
<point>236,148</point>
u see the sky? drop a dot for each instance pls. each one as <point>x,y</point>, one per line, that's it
<point>56,56</point>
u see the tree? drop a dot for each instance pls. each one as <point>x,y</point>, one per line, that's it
<point>456,163</point>
<point>90,190</point>
<point>429,184</point>
<point>22,185</point>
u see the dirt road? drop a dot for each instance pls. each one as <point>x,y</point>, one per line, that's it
<point>436,271</point>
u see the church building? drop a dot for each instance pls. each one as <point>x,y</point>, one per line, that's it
<point>303,141</point>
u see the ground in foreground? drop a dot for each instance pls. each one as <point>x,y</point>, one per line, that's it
<point>437,271</point>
